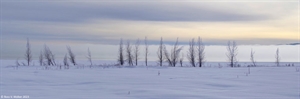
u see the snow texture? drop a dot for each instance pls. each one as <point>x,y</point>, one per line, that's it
<point>152,82</point>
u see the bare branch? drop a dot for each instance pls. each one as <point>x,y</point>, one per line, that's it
<point>174,57</point>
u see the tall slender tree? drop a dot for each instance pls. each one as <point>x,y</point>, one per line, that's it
<point>146,51</point>
<point>191,53</point>
<point>160,52</point>
<point>71,56</point>
<point>129,54</point>
<point>252,58</point>
<point>200,52</point>
<point>89,57</point>
<point>28,55</point>
<point>41,58</point>
<point>48,56</point>
<point>120,55</point>
<point>232,53</point>
<point>175,54</point>
<point>277,58</point>
<point>136,52</point>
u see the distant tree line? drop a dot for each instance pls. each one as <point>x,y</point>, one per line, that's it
<point>195,54</point>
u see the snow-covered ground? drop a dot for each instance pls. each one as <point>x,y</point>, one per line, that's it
<point>150,82</point>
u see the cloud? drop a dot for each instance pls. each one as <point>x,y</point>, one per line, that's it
<point>136,11</point>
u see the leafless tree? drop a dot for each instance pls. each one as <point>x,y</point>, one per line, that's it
<point>129,54</point>
<point>136,51</point>
<point>71,56</point>
<point>181,60</point>
<point>41,58</point>
<point>146,51</point>
<point>175,54</point>
<point>48,55</point>
<point>53,59</point>
<point>160,52</point>
<point>200,52</point>
<point>277,57</point>
<point>28,56</point>
<point>121,57</point>
<point>66,63</point>
<point>252,58</point>
<point>232,53</point>
<point>191,53</point>
<point>89,57</point>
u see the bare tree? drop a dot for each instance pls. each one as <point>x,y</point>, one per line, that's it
<point>174,57</point>
<point>136,51</point>
<point>191,53</point>
<point>160,52</point>
<point>48,55</point>
<point>129,54</point>
<point>252,58</point>
<point>277,57</point>
<point>200,52</point>
<point>146,51</point>
<point>181,59</point>
<point>89,56</point>
<point>121,57</point>
<point>41,58</point>
<point>232,53</point>
<point>53,59</point>
<point>28,56</point>
<point>71,56</point>
<point>66,64</point>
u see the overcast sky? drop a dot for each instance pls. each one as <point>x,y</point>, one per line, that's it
<point>105,22</point>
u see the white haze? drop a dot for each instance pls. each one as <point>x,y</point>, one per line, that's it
<point>213,53</point>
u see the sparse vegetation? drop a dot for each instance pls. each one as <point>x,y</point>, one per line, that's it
<point>232,53</point>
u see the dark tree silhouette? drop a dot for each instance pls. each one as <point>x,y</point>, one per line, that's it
<point>48,56</point>
<point>28,55</point>
<point>160,52</point>
<point>136,51</point>
<point>71,56</point>
<point>175,54</point>
<point>120,55</point>
<point>129,54</point>
<point>191,53</point>
<point>146,51</point>
<point>232,53</point>
<point>200,52</point>
<point>41,58</point>
<point>66,63</point>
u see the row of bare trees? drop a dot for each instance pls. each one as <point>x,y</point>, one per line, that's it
<point>172,57</point>
<point>195,54</point>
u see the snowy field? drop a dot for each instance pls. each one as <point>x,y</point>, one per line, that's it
<point>152,82</point>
